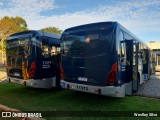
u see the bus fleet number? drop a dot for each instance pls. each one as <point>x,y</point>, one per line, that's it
<point>82,88</point>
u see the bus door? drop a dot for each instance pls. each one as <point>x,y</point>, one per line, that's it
<point>129,65</point>
<point>55,50</point>
<point>136,78</point>
<point>146,64</point>
<point>47,69</point>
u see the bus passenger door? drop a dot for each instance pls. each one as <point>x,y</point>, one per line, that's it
<point>47,71</point>
<point>136,77</point>
<point>55,50</point>
<point>127,64</point>
<point>146,64</point>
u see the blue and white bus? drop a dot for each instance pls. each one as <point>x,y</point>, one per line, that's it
<point>32,59</point>
<point>103,58</point>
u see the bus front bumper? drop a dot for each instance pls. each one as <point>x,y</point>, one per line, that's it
<point>111,91</point>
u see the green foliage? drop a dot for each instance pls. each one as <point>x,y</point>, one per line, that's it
<point>10,25</point>
<point>52,30</point>
<point>4,46</point>
<point>19,21</point>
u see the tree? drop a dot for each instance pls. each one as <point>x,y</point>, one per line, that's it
<point>11,25</point>
<point>19,21</point>
<point>8,26</point>
<point>52,30</point>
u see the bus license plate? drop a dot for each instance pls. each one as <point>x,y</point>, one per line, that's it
<point>82,79</point>
<point>16,74</point>
<point>84,88</point>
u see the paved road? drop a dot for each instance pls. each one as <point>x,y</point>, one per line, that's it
<point>151,88</point>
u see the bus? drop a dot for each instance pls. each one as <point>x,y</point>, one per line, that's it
<point>33,59</point>
<point>155,46</point>
<point>103,58</point>
<point>153,59</point>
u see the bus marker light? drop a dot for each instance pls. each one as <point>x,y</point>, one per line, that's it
<point>116,92</point>
<point>97,90</point>
<point>61,71</point>
<point>71,87</point>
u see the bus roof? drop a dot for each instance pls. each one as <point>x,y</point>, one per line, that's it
<point>48,34</point>
<point>102,25</point>
<point>41,33</point>
<point>86,27</point>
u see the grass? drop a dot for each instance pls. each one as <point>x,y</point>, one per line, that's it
<point>30,99</point>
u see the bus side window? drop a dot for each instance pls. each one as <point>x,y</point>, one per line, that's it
<point>144,55</point>
<point>45,50</point>
<point>53,51</point>
<point>134,53</point>
<point>158,60</point>
<point>123,54</point>
<point>58,50</point>
<point>122,47</point>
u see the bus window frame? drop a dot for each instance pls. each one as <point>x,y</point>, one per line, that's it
<point>122,48</point>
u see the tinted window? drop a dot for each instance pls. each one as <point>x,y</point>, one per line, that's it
<point>55,50</point>
<point>46,50</point>
<point>16,50</point>
<point>88,44</point>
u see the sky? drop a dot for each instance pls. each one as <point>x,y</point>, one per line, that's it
<point>141,17</point>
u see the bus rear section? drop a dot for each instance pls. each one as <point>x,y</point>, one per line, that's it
<point>90,60</point>
<point>26,63</point>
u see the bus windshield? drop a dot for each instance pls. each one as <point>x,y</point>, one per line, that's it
<point>87,44</point>
<point>17,49</point>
